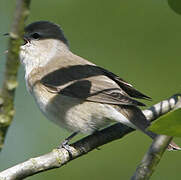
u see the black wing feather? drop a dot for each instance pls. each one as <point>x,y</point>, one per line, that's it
<point>128,88</point>
<point>91,83</point>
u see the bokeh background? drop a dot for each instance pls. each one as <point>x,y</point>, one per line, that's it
<point>138,40</point>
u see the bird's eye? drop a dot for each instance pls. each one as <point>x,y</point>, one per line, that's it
<point>35,36</point>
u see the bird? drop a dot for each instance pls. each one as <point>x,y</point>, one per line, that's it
<point>73,92</point>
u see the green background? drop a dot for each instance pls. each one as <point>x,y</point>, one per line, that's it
<point>140,40</point>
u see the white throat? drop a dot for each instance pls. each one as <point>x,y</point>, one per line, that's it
<point>38,53</point>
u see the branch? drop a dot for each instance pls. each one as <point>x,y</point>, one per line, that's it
<point>59,157</point>
<point>150,160</point>
<point>12,64</point>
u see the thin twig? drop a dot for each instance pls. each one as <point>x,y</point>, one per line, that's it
<point>12,64</point>
<point>59,157</point>
<point>152,158</point>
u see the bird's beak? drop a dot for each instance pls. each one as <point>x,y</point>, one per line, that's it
<point>26,40</point>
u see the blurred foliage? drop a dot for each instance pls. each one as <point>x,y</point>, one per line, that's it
<point>138,40</point>
<point>175,5</point>
<point>168,124</point>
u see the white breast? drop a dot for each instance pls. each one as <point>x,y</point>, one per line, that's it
<point>76,115</point>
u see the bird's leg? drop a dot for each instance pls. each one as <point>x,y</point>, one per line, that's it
<point>65,142</point>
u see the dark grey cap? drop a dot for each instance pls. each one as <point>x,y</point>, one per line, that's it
<point>43,30</point>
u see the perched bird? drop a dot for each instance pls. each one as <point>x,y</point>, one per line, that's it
<point>73,92</point>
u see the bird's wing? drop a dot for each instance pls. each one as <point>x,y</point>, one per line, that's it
<point>91,83</point>
<point>127,87</point>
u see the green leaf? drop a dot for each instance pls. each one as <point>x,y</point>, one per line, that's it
<point>168,124</point>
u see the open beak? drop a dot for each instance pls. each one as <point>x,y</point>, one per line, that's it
<point>26,40</point>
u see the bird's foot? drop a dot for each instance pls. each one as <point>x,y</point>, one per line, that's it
<point>65,142</point>
<point>65,145</point>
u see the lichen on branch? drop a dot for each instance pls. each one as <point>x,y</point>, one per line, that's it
<point>10,83</point>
